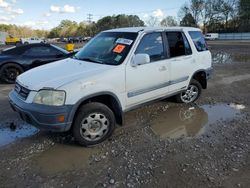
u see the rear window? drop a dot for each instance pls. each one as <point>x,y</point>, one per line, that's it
<point>198,40</point>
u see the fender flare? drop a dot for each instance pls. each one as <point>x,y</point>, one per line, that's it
<point>80,101</point>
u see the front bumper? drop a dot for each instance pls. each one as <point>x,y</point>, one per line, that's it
<point>42,116</point>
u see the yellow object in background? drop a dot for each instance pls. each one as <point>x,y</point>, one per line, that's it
<point>12,40</point>
<point>70,47</point>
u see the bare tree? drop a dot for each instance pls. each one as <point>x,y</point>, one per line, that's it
<point>152,21</point>
<point>169,21</point>
<point>196,8</point>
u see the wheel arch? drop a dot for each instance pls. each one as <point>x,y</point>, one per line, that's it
<point>200,76</point>
<point>11,62</point>
<point>107,98</point>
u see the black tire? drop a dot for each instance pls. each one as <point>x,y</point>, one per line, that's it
<point>9,72</point>
<point>93,110</point>
<point>195,84</point>
<point>26,43</point>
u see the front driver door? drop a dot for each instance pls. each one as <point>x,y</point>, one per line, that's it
<point>148,81</point>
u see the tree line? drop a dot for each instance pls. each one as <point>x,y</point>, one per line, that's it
<point>209,15</point>
<point>216,15</point>
<point>22,31</point>
<point>69,28</point>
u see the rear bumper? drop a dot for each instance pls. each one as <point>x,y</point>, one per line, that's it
<point>41,116</point>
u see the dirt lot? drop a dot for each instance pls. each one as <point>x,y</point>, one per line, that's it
<point>161,145</point>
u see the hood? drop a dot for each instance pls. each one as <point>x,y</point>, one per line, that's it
<point>59,73</point>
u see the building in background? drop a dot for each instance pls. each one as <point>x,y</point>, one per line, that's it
<point>3,36</point>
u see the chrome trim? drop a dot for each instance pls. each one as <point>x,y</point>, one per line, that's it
<point>152,88</point>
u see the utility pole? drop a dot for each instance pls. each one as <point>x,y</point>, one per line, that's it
<point>89,17</point>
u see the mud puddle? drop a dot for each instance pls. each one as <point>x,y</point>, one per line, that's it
<point>220,57</point>
<point>11,134</point>
<point>61,158</point>
<point>186,121</point>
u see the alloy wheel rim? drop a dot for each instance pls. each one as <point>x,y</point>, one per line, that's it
<point>190,94</point>
<point>10,74</point>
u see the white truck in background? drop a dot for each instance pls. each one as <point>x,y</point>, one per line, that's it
<point>212,36</point>
<point>32,40</point>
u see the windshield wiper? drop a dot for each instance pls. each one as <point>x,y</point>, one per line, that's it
<point>74,57</point>
<point>90,60</point>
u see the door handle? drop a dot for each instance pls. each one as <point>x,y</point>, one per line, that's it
<point>162,68</point>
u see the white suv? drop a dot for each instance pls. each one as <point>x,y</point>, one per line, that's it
<point>118,70</point>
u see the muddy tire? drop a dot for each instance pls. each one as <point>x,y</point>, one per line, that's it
<point>191,94</point>
<point>93,124</point>
<point>9,72</point>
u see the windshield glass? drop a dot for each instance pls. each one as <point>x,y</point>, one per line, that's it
<point>107,48</point>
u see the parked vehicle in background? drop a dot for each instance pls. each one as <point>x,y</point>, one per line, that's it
<point>32,40</point>
<point>14,61</point>
<point>3,36</point>
<point>75,39</point>
<point>12,40</point>
<point>212,36</point>
<point>115,72</point>
<point>86,38</point>
<point>62,39</point>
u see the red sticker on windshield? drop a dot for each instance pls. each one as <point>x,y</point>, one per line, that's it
<point>119,48</point>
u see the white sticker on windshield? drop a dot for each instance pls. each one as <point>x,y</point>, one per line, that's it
<point>124,41</point>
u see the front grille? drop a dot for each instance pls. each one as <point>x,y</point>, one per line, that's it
<point>22,91</point>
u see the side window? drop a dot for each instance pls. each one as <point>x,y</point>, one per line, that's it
<point>188,50</point>
<point>40,51</point>
<point>178,44</point>
<point>152,44</point>
<point>198,40</point>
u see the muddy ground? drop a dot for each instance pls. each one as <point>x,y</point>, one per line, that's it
<point>164,144</point>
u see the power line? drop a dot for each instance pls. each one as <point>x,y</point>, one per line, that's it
<point>89,18</point>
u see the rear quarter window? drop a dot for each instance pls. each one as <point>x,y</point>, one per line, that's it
<point>198,40</point>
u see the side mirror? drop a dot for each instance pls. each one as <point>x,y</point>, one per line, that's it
<point>140,59</point>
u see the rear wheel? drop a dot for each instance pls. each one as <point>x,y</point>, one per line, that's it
<point>94,123</point>
<point>9,72</point>
<point>192,93</point>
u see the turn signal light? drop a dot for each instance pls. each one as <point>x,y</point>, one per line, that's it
<point>60,118</point>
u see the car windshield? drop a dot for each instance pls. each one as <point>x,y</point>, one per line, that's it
<point>107,48</point>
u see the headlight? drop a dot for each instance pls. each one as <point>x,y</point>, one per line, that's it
<point>50,97</point>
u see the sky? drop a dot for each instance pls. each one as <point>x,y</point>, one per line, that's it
<point>46,14</point>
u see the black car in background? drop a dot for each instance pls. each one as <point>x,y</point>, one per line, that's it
<point>16,60</point>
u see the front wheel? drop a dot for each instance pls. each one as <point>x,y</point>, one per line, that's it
<point>94,123</point>
<point>9,72</point>
<point>192,93</point>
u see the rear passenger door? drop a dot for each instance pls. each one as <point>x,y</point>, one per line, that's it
<point>180,60</point>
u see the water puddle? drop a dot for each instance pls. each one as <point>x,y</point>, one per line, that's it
<point>8,135</point>
<point>189,121</point>
<point>61,158</point>
<point>220,57</point>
